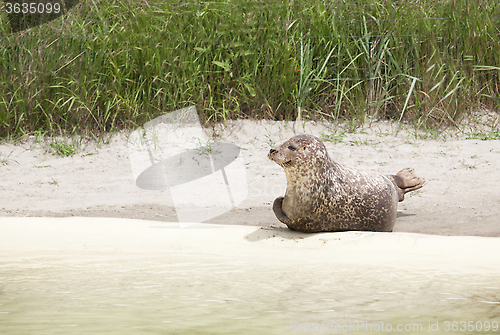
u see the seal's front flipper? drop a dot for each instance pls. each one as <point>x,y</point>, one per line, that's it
<point>406,181</point>
<point>278,211</point>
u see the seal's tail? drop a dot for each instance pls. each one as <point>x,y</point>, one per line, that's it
<point>406,181</point>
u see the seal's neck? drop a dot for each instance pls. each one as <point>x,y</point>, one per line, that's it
<point>297,175</point>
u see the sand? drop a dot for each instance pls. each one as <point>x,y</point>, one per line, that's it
<point>462,196</point>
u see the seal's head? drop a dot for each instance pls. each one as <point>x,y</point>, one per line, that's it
<point>302,157</point>
<point>299,151</point>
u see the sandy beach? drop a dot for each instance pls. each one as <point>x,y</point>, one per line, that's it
<point>71,256</point>
<point>460,198</point>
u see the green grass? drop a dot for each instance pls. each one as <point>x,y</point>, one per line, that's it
<point>116,64</point>
<point>335,137</point>
<point>483,135</point>
<point>63,149</point>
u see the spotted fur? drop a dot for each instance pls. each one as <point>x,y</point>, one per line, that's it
<point>323,195</point>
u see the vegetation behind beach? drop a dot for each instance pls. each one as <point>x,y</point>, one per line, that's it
<point>114,64</point>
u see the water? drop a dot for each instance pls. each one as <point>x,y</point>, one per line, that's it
<point>70,283</point>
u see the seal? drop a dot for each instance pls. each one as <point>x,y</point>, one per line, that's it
<point>325,196</point>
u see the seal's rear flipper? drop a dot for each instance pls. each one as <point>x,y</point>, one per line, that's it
<point>278,211</point>
<point>406,181</point>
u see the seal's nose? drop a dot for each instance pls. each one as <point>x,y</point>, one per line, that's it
<point>272,151</point>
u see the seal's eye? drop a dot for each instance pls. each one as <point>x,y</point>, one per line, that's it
<point>291,148</point>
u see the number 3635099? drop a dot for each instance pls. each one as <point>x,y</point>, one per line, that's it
<point>32,8</point>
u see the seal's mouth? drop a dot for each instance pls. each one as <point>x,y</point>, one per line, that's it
<point>271,153</point>
<point>287,163</point>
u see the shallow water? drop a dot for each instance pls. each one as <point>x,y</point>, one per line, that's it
<point>108,290</point>
<point>177,294</point>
